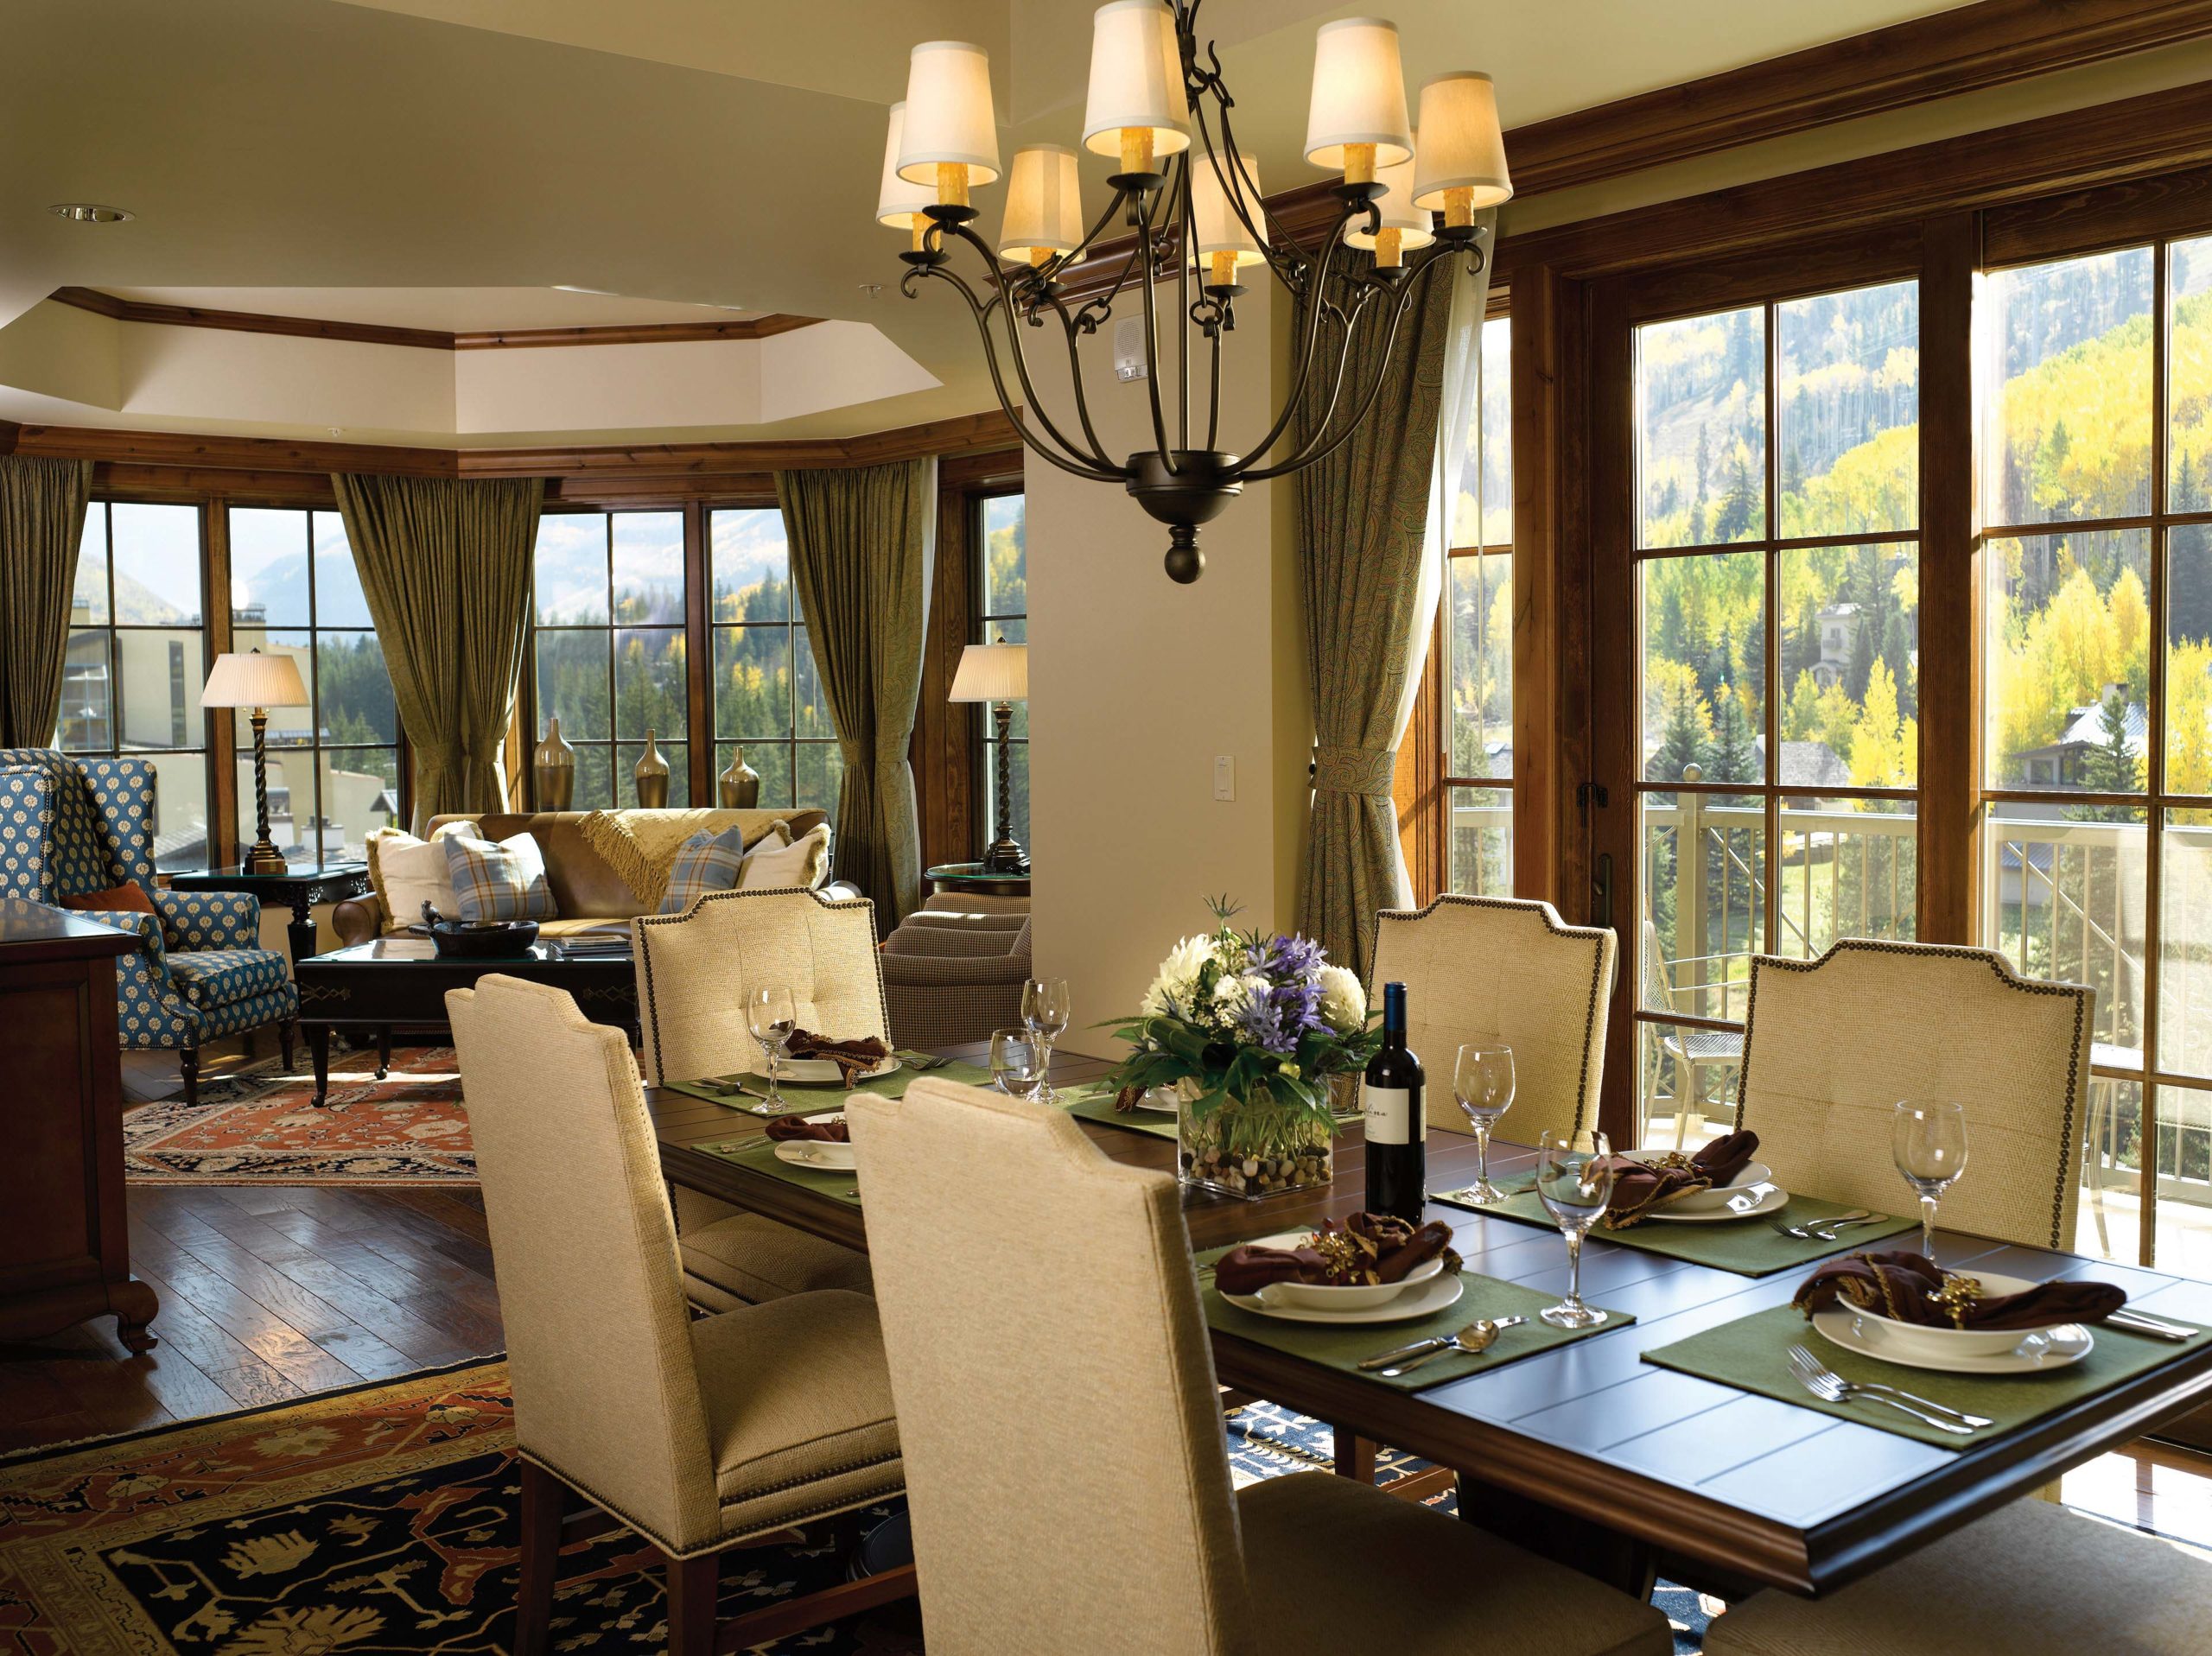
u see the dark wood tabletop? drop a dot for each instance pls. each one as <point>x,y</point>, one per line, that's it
<point>1723,1488</point>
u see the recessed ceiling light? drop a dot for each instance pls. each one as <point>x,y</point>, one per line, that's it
<point>570,287</point>
<point>89,213</point>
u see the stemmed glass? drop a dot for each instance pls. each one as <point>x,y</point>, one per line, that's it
<point>1929,1143</point>
<point>1574,1177</point>
<point>1045,1009</point>
<point>1017,1062</point>
<point>1483,1083</point>
<point>770,1016</point>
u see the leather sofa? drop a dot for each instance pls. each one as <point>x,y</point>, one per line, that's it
<point>587,891</point>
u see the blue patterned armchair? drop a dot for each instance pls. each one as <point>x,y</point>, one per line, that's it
<point>68,826</point>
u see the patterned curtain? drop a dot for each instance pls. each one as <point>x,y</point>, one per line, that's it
<point>861,541</point>
<point>42,520</point>
<point>1372,526</point>
<point>446,564</point>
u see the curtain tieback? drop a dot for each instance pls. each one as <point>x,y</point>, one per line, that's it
<point>1354,770</point>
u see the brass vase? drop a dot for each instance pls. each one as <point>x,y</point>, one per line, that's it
<point>650,777</point>
<point>739,787</point>
<point>553,770</point>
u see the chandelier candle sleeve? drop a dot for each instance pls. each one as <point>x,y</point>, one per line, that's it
<point>950,138</point>
<point>1398,1121</point>
<point>1405,227</point>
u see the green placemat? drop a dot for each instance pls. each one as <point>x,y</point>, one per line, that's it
<point>1752,1354</point>
<point>806,1101</point>
<point>1342,1346</point>
<point>1094,1104</point>
<point>759,1155</point>
<point>1749,1247</point>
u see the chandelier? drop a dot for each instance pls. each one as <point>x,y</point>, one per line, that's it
<point>1192,199</point>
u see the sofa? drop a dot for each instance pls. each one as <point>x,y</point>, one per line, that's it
<point>587,889</point>
<point>953,970</point>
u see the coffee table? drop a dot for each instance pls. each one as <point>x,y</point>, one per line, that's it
<point>401,982</point>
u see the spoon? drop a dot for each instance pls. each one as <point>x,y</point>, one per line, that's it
<point>1477,1337</point>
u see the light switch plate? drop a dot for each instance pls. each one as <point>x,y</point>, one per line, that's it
<point>1224,776</point>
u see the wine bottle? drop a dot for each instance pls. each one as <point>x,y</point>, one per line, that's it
<point>1397,1124</point>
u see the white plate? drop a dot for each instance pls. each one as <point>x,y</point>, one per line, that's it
<point>1159,1099</point>
<point>818,1153</point>
<point>1753,1201</point>
<point>2052,1348</point>
<point>1714,1197</point>
<point>1348,1296</point>
<point>1926,1342</point>
<point>817,1072</point>
<point>1427,1299</point>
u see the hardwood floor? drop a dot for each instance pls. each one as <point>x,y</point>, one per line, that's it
<point>267,1295</point>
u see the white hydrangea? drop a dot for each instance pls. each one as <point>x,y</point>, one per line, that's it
<point>1178,976</point>
<point>1232,994</point>
<point>1343,1003</point>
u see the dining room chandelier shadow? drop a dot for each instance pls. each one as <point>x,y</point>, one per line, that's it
<point>1191,200</point>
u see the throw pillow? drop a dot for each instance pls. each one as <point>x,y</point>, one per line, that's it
<point>129,897</point>
<point>777,862</point>
<point>406,873</point>
<point>706,862</point>
<point>504,881</point>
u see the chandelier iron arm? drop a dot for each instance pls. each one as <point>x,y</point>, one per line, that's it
<point>1151,348</point>
<point>1320,305</point>
<point>1070,329</point>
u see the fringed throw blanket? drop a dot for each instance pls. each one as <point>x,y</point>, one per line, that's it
<point>640,846</point>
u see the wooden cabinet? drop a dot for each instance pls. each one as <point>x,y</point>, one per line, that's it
<point>64,1249</point>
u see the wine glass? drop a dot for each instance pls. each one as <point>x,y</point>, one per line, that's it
<point>1929,1143</point>
<point>769,1014</point>
<point>1483,1083</point>
<point>1574,1177</point>
<point>1017,1062</point>
<point>1044,1010</point>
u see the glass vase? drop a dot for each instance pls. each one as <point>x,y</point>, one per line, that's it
<point>1250,1147</point>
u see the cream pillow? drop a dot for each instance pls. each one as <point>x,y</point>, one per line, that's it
<point>407,872</point>
<point>777,862</point>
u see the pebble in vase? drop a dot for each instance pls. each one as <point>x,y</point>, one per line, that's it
<point>553,770</point>
<point>650,777</point>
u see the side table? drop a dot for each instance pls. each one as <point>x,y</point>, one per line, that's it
<point>972,880</point>
<point>301,886</point>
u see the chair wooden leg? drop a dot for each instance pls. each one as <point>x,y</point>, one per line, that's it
<point>188,1066</point>
<point>692,1596</point>
<point>815,1610</point>
<point>542,1498</point>
<point>384,1050</point>
<point>285,1030</point>
<point>1355,1454</point>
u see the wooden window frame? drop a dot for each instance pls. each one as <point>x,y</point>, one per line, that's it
<point>947,750</point>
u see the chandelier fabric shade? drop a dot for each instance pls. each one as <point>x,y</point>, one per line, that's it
<point>898,204</point>
<point>1136,79</point>
<point>1044,206</point>
<point>1214,218</point>
<point>950,118</point>
<point>1359,95</point>
<point>1462,147</point>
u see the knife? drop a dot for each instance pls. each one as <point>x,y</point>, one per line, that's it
<point>2138,1322</point>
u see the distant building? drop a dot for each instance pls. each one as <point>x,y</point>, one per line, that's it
<point>1839,629</point>
<point>2058,765</point>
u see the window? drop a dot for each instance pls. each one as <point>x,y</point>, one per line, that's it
<point>1777,562</point>
<point>334,765</point>
<point>1478,649</point>
<point>1005,589</point>
<point>607,647</point>
<point>2097,853</point>
<point>136,660</point>
<point>767,696</point>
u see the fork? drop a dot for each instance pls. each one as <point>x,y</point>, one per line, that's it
<point>1823,1230</point>
<point>1824,1382</point>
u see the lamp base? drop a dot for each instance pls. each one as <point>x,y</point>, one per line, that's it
<point>264,858</point>
<point>1004,856</point>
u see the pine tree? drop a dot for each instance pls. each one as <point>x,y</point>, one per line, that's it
<point>1733,757</point>
<point>1897,657</point>
<point>1755,657</point>
<point>1862,657</point>
<point>1683,738</point>
<point>1734,520</point>
<point>2111,766</point>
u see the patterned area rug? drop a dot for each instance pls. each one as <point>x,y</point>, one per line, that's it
<point>383,1520</point>
<point>264,1127</point>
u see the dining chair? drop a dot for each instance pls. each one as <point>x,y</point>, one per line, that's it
<point>1508,969</point>
<point>1689,1050</point>
<point>700,1435</point>
<point>694,970</point>
<point>1067,1479</point>
<point>2031,1579</point>
<point>1833,1045</point>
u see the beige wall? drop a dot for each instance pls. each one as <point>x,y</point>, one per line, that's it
<point>1136,684</point>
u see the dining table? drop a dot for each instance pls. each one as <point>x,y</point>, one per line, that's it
<point>1586,1451</point>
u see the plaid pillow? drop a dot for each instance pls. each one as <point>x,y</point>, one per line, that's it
<point>707,862</point>
<point>504,881</point>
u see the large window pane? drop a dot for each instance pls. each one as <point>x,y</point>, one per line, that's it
<point>85,723</point>
<point>2068,661</point>
<point>1705,879</point>
<point>2188,377</point>
<point>2066,427</point>
<point>180,811</point>
<point>1704,668</point>
<point>2108,1223</point>
<point>649,693</point>
<point>1005,569</point>
<point>270,582</point>
<point>156,557</point>
<point>360,792</point>
<point>2188,658</point>
<point>354,690</point>
<point>160,674</point>
<point>753,690</point>
<point>1483,515</point>
<point>1686,1083</point>
<point>626,757</point>
<point>1482,841</point>
<point>1850,662</point>
<point>1480,660</point>
<point>648,568</point>
<point>1849,410</point>
<point>88,602</point>
<point>772,759</point>
<point>571,570</point>
<point>813,717</point>
<point>2185,945</point>
<point>2184,1167</point>
<point>2064,897</point>
<point>752,565</point>
<point>338,600</point>
<point>1847,868</point>
<point>822,771</point>
<point>1700,396</point>
<point>572,684</point>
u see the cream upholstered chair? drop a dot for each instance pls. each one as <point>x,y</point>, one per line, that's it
<point>1833,1045</point>
<point>697,1435</point>
<point>1054,1380</point>
<point>2031,1579</point>
<point>1485,968</point>
<point>694,969</point>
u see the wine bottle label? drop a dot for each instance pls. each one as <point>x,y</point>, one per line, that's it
<point>1393,1115</point>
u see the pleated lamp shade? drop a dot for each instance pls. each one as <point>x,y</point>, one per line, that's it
<point>996,672</point>
<point>1212,216</point>
<point>899,204</point>
<point>948,113</point>
<point>1359,94</point>
<point>254,680</point>
<point>1414,226</point>
<point>1136,78</point>
<point>1461,144</point>
<point>1044,205</point>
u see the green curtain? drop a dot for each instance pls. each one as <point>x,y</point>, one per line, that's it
<point>1362,521</point>
<point>446,566</point>
<point>860,542</point>
<point>42,520</point>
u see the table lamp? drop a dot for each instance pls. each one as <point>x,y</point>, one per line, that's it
<point>998,674</point>
<point>259,682</point>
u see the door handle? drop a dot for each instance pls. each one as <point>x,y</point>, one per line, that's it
<point>1601,891</point>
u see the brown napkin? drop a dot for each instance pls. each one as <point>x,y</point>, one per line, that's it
<point>852,1058</point>
<point>1367,1248</point>
<point>1640,1186</point>
<point>1912,1288</point>
<point>835,1131</point>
